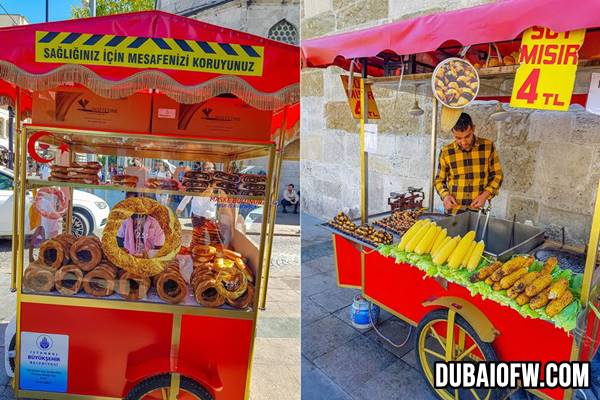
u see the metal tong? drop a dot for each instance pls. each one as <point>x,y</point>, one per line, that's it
<point>485,210</point>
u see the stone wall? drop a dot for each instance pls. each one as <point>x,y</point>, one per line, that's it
<point>551,160</point>
<point>256,17</point>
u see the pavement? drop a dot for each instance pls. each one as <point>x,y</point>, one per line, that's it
<point>276,366</point>
<point>340,362</point>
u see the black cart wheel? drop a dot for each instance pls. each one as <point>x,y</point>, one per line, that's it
<point>158,388</point>
<point>432,344</point>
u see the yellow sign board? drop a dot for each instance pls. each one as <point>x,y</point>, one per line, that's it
<point>144,52</point>
<point>546,76</point>
<point>354,98</point>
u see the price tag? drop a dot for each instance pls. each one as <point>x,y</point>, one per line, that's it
<point>354,98</point>
<point>546,76</point>
<point>371,138</point>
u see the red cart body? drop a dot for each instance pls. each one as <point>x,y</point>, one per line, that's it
<point>404,290</point>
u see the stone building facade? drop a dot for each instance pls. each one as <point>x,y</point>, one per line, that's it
<point>551,160</point>
<point>274,19</point>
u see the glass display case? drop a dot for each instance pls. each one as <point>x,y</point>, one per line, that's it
<point>154,219</point>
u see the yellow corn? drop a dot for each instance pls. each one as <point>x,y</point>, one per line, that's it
<point>411,233</point>
<point>510,280</point>
<point>427,240</point>
<point>459,253</point>
<point>414,241</point>
<point>439,239</point>
<point>513,264</point>
<point>549,265</point>
<point>437,233</point>
<point>467,257</point>
<point>496,286</point>
<point>476,255</point>
<point>541,283</point>
<point>445,242</point>
<point>540,300</point>
<point>489,281</point>
<point>557,288</point>
<point>485,272</point>
<point>557,305</point>
<point>512,293</point>
<point>522,299</point>
<point>442,255</point>
<point>525,281</point>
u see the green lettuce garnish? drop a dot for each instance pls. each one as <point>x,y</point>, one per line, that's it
<point>566,319</point>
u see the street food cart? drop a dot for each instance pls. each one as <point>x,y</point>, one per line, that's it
<point>456,320</point>
<point>153,304</point>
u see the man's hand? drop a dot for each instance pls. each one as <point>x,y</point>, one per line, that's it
<point>449,202</point>
<point>480,200</point>
<point>178,212</point>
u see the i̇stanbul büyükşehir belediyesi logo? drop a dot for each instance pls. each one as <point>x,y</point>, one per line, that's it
<point>44,342</point>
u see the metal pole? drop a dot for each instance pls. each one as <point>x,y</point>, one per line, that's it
<point>434,108</point>
<point>273,213</point>
<point>592,252</point>
<point>92,8</point>
<point>364,156</point>
<point>22,139</point>
<point>11,138</point>
<point>16,190</point>
<point>364,164</point>
<point>47,9</point>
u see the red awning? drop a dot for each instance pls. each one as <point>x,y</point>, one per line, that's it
<point>271,90</point>
<point>501,21</point>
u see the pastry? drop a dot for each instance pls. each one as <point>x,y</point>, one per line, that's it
<point>86,252</point>
<point>170,285</point>
<point>51,254</point>
<point>38,278</point>
<point>100,281</point>
<point>68,279</point>
<point>168,222</point>
<point>132,287</point>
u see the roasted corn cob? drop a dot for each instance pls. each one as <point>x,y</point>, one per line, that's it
<point>557,288</point>
<point>489,281</point>
<point>485,272</point>
<point>497,286</point>
<point>512,293</point>
<point>514,264</point>
<point>557,305</point>
<point>538,285</point>
<point>525,281</point>
<point>549,265</point>
<point>540,300</point>
<point>508,268</point>
<point>510,280</point>
<point>522,299</point>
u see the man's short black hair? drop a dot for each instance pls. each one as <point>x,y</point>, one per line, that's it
<point>292,185</point>
<point>464,122</point>
<point>181,163</point>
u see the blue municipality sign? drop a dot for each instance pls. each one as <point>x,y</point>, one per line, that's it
<point>44,362</point>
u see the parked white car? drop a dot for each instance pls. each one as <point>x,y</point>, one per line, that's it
<point>90,212</point>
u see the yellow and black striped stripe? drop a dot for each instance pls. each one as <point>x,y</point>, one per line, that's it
<point>145,52</point>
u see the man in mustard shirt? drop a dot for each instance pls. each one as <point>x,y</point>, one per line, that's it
<point>469,171</point>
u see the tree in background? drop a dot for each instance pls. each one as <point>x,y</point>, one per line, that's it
<point>109,7</point>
